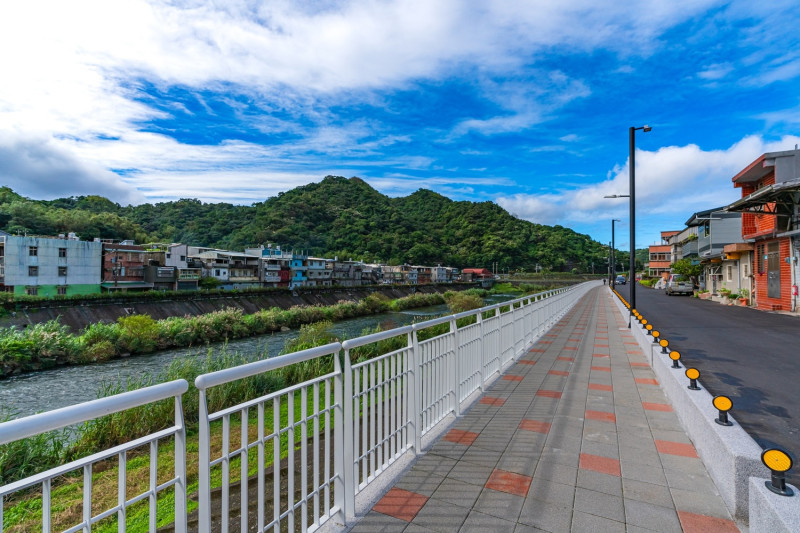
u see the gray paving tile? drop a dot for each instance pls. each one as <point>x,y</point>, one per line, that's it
<point>600,482</point>
<point>435,464</point>
<point>651,516</point>
<point>420,482</point>
<point>643,472</point>
<point>546,516</point>
<point>552,492</point>
<point>375,522</point>
<point>471,473</point>
<point>441,516</point>
<point>519,464</point>
<point>647,492</point>
<point>483,523</point>
<point>500,504</point>
<point>599,504</point>
<point>457,492</point>
<point>589,523</point>
<point>704,503</point>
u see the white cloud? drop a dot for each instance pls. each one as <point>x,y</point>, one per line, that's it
<point>39,168</point>
<point>671,184</point>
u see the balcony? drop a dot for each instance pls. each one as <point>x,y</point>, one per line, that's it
<point>272,267</point>
<point>272,279</point>
<point>188,275</point>
<point>240,279</point>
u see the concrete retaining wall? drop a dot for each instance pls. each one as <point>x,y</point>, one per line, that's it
<point>729,453</point>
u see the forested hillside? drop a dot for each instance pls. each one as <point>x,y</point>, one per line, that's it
<point>338,216</point>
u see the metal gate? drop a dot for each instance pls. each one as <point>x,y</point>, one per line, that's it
<point>773,270</point>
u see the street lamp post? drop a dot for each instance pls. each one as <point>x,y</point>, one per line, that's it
<point>632,173</point>
<point>613,256</point>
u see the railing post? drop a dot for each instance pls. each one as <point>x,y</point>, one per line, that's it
<point>415,374</point>
<point>204,468</point>
<point>482,353</point>
<point>344,487</point>
<point>180,468</point>
<point>456,367</point>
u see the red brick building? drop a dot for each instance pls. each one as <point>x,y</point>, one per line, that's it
<point>770,185</point>
<point>661,256</point>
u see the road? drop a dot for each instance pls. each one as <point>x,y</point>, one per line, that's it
<point>751,356</point>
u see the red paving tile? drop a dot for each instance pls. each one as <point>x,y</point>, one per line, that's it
<point>509,482</point>
<point>565,358</point>
<point>602,368</point>
<point>634,352</point>
<point>511,377</point>
<point>596,463</point>
<point>536,350</point>
<point>631,343</point>
<point>649,406</point>
<point>643,365</point>
<point>570,348</point>
<point>600,415</point>
<point>698,523</point>
<point>645,381</point>
<point>600,355</point>
<point>526,362</point>
<point>675,448</point>
<point>598,386</point>
<point>558,373</point>
<point>461,437</point>
<point>573,340</point>
<point>602,338</point>
<point>548,393</point>
<point>402,504</point>
<point>534,425</point>
<point>545,342</point>
<point>601,345</point>
<point>488,400</point>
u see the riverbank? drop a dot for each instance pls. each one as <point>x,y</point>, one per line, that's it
<point>76,314</point>
<point>49,345</point>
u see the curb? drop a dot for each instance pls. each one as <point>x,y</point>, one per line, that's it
<point>731,456</point>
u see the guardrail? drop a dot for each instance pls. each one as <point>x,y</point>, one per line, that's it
<point>368,404</point>
<point>22,428</point>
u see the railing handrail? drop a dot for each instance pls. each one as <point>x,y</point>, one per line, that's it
<point>220,377</point>
<point>375,337</point>
<point>29,426</point>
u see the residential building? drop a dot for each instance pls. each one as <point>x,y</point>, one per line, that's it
<point>716,228</point>
<point>275,265</point>
<point>49,266</point>
<point>318,273</point>
<point>771,221</point>
<point>123,267</point>
<point>661,257</point>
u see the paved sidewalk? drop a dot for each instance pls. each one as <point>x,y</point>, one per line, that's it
<point>577,436</point>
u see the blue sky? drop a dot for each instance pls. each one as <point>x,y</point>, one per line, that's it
<point>526,104</point>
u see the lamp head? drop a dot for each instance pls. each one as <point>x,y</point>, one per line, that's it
<point>646,128</point>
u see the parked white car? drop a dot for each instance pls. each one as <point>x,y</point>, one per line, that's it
<point>679,284</point>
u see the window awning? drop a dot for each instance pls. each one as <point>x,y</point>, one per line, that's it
<point>770,200</point>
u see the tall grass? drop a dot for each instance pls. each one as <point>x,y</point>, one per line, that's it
<point>51,344</point>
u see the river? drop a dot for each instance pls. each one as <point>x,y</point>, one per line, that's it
<point>30,393</point>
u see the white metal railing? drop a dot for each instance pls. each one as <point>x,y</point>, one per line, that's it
<point>22,428</point>
<point>329,437</point>
<point>384,392</point>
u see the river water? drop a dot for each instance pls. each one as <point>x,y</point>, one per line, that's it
<point>30,393</point>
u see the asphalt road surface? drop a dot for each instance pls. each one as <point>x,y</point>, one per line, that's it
<point>751,356</point>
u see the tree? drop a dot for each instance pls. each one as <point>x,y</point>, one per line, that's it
<point>685,267</point>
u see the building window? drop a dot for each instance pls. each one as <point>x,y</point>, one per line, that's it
<point>760,258</point>
<point>169,255</point>
<point>746,270</point>
<point>62,252</point>
<point>33,271</point>
<point>730,273</point>
<point>62,271</point>
<point>183,258</point>
<point>31,291</point>
<point>33,251</point>
<point>61,290</point>
<point>216,272</point>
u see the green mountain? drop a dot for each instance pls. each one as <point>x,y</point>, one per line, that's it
<point>337,216</point>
